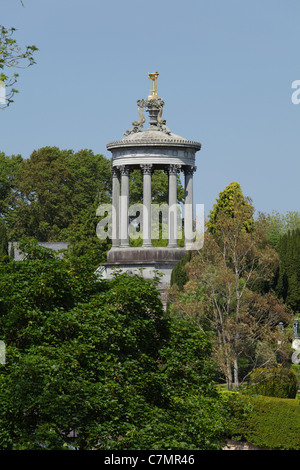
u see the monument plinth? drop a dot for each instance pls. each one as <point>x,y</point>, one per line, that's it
<point>154,148</point>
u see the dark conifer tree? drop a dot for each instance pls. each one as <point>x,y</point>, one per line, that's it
<point>288,284</point>
<point>3,241</point>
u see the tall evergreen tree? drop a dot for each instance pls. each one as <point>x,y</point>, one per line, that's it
<point>288,282</point>
<point>231,203</point>
<point>3,241</point>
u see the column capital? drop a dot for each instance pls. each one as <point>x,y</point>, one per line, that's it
<point>115,171</point>
<point>147,169</point>
<point>173,169</point>
<point>124,170</point>
<point>189,169</point>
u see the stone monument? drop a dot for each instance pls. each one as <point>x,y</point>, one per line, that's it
<point>147,150</point>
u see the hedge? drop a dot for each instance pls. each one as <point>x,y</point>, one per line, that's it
<point>276,382</point>
<point>266,422</point>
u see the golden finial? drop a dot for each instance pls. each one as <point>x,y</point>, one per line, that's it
<point>153,90</point>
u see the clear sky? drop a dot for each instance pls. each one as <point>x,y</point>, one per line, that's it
<point>225,73</point>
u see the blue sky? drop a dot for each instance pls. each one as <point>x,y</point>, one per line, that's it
<point>225,73</point>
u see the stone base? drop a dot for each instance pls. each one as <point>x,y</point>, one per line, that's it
<point>146,262</point>
<point>137,255</point>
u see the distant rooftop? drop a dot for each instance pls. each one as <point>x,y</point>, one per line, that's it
<point>56,246</point>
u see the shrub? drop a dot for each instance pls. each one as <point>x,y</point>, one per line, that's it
<point>179,275</point>
<point>276,382</point>
<point>296,368</point>
<point>266,422</point>
<point>102,359</point>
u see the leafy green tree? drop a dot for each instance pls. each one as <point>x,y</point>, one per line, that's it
<point>225,293</point>
<point>12,57</point>
<point>97,365</point>
<point>231,203</point>
<point>159,187</point>
<point>54,195</point>
<point>281,224</point>
<point>3,241</point>
<point>57,195</point>
<point>179,275</point>
<point>42,203</point>
<point>9,167</point>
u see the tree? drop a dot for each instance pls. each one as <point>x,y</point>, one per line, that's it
<point>54,195</point>
<point>3,241</point>
<point>97,365</point>
<point>9,167</point>
<point>179,275</point>
<point>281,224</point>
<point>12,57</point>
<point>224,294</point>
<point>287,284</point>
<point>159,187</point>
<point>57,190</point>
<point>229,202</point>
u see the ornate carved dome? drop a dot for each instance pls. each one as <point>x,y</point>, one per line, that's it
<point>153,137</point>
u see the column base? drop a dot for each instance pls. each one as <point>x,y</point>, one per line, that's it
<point>146,262</point>
<point>152,254</point>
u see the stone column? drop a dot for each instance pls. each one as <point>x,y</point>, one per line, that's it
<point>124,206</point>
<point>188,206</point>
<point>173,170</point>
<point>115,206</point>
<point>147,200</point>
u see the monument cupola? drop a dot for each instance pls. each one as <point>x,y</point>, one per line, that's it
<point>153,148</point>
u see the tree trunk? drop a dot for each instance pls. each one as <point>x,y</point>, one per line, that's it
<point>229,375</point>
<point>236,372</point>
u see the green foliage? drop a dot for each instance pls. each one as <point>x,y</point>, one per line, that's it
<point>225,289</point>
<point>159,187</point>
<point>271,423</point>
<point>99,358</point>
<point>9,168</point>
<point>287,285</point>
<point>159,192</point>
<point>230,203</point>
<point>179,275</point>
<point>3,241</point>
<point>277,382</point>
<point>281,224</point>
<point>54,195</point>
<point>55,189</point>
<point>12,57</point>
<point>296,369</point>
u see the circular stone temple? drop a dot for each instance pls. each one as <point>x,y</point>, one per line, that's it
<point>154,148</point>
